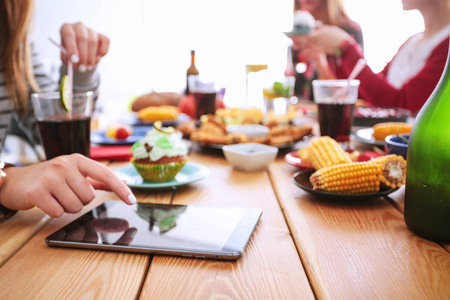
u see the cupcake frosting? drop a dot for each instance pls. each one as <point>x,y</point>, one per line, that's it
<point>157,144</point>
<point>303,20</point>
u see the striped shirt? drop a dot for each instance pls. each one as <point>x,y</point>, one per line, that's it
<point>25,125</point>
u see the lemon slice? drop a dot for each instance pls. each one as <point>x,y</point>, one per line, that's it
<point>64,93</point>
<point>255,68</point>
<point>158,126</point>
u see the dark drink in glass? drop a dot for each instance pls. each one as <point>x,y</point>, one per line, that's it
<point>64,129</point>
<point>336,120</point>
<point>62,135</point>
<point>205,103</point>
<point>335,102</point>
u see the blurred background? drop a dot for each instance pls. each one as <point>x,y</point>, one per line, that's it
<point>151,40</point>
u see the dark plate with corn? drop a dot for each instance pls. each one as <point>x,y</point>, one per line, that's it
<point>302,180</point>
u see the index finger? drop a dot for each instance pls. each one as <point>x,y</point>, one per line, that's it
<point>103,174</point>
<point>68,41</point>
<point>103,45</point>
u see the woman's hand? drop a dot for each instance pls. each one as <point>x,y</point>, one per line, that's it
<point>324,39</point>
<point>84,46</point>
<point>63,184</point>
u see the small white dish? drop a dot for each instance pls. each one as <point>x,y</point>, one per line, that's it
<point>251,130</point>
<point>250,156</point>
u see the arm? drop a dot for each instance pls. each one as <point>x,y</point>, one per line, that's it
<point>376,89</point>
<point>62,184</point>
<point>85,49</point>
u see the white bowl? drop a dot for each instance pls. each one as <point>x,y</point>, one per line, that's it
<point>250,156</point>
<point>251,130</point>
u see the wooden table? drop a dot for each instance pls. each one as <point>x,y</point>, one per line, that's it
<point>304,247</point>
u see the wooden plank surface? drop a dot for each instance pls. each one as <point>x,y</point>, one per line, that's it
<point>360,250</point>
<point>38,271</point>
<point>18,230</point>
<point>270,267</point>
<point>398,200</point>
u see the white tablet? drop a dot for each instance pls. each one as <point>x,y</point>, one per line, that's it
<point>181,230</point>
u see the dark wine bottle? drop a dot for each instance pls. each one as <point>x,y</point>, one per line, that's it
<point>427,196</point>
<point>191,71</point>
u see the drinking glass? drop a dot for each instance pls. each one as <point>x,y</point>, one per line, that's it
<point>64,132</point>
<point>336,100</point>
<point>205,95</point>
<point>277,95</point>
<point>255,75</point>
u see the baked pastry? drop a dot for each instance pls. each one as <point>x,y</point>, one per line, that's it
<point>160,155</point>
<point>155,99</point>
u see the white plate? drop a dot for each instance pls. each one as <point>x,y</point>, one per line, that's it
<point>191,172</point>
<point>366,136</point>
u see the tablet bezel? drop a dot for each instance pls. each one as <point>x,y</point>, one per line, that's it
<point>232,249</point>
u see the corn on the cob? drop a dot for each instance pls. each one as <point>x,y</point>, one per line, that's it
<point>348,178</point>
<point>382,130</point>
<point>155,113</point>
<point>361,177</point>
<point>325,151</point>
<point>393,170</point>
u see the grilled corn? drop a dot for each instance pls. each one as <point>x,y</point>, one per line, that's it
<point>382,130</point>
<point>361,177</point>
<point>325,151</point>
<point>393,170</point>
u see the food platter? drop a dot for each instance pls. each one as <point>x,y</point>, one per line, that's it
<point>131,119</point>
<point>220,146</point>
<point>191,172</point>
<point>369,116</point>
<point>301,179</point>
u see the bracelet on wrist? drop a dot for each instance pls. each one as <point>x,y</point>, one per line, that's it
<point>5,213</point>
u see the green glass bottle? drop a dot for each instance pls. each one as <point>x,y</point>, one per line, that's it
<point>427,196</point>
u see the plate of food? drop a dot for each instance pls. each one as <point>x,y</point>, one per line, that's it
<point>120,135</point>
<point>365,136</point>
<point>376,134</point>
<point>191,172</point>
<point>213,133</point>
<point>220,146</point>
<point>294,159</point>
<point>369,116</point>
<point>302,180</point>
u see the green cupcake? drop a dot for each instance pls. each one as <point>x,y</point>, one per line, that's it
<point>160,155</point>
<point>158,172</point>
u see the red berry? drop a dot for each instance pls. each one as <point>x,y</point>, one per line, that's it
<point>122,133</point>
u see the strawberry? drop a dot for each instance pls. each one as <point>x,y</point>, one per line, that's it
<point>122,133</point>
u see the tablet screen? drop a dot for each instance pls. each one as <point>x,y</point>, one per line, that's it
<point>186,230</point>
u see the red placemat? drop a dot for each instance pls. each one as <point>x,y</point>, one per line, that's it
<point>121,152</point>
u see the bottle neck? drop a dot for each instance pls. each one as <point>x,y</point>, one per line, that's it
<point>192,58</point>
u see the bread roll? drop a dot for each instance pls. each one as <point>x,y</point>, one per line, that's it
<point>155,99</point>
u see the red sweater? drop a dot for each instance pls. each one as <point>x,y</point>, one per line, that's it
<point>375,88</point>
